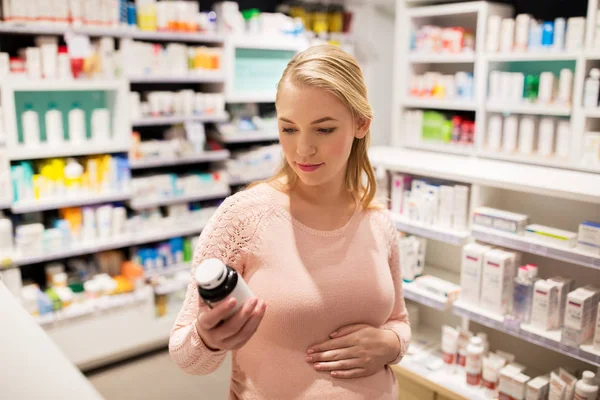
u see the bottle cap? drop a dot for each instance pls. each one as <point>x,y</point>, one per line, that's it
<point>595,73</point>
<point>476,341</point>
<point>210,273</point>
<point>588,375</point>
<point>523,272</point>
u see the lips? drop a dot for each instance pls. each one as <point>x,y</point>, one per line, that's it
<point>309,167</point>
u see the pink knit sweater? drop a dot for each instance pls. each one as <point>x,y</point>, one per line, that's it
<point>313,283</point>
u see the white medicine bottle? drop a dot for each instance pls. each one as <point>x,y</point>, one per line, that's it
<point>217,281</point>
<point>586,388</point>
<point>474,363</point>
<point>31,126</point>
<point>77,131</point>
<point>55,135</point>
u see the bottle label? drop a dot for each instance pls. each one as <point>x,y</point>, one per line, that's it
<point>473,379</point>
<point>489,384</point>
<point>449,358</point>
<point>461,360</point>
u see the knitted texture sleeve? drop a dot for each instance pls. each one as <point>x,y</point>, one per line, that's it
<point>398,321</point>
<point>228,237</point>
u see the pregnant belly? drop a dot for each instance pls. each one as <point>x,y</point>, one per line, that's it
<point>277,374</point>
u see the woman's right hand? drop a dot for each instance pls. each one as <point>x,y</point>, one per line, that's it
<point>233,333</point>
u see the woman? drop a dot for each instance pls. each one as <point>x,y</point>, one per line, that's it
<point>319,254</point>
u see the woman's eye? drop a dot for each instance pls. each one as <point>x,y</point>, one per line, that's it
<point>288,130</point>
<point>327,130</point>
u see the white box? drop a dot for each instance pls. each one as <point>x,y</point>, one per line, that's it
<point>551,235</point>
<point>472,271</point>
<point>446,212</point>
<point>582,306</point>
<point>501,220</point>
<point>497,281</point>
<point>400,184</point>
<point>597,334</point>
<point>537,388</point>
<point>564,286</point>
<point>589,237</point>
<point>461,207</point>
<point>545,307</point>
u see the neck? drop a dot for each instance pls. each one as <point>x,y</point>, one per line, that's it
<point>328,194</point>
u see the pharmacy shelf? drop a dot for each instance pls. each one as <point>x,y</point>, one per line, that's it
<point>592,112</point>
<point>592,55</point>
<point>158,234</point>
<point>248,137</point>
<point>535,246</point>
<point>168,79</point>
<point>27,206</point>
<point>442,58</point>
<point>533,56</point>
<point>104,303</point>
<point>65,150</point>
<point>451,236</point>
<point>446,10</point>
<point>540,338</point>
<point>264,97</point>
<point>240,181</point>
<point>415,293</point>
<point>527,159</point>
<point>215,192</point>
<point>449,148</point>
<point>572,185</point>
<point>57,85</point>
<point>172,286</point>
<point>208,156</point>
<point>270,42</point>
<point>172,269</point>
<point>157,121</point>
<point>39,29</point>
<point>437,104</point>
<point>530,109</point>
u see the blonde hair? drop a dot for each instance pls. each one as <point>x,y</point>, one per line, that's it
<point>330,68</point>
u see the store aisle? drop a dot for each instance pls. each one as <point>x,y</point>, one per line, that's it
<point>155,376</point>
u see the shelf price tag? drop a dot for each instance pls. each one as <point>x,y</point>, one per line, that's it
<point>538,249</point>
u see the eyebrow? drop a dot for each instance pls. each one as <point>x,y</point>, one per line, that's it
<point>325,119</point>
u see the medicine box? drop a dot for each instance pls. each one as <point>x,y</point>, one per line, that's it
<point>589,237</point>
<point>500,220</point>
<point>472,272</point>
<point>553,236</point>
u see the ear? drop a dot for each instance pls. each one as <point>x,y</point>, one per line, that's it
<point>362,127</point>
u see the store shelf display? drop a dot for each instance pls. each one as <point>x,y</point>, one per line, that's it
<point>191,158</point>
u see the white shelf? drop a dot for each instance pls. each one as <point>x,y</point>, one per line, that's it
<point>572,185</point>
<point>532,56</point>
<point>592,55</point>
<point>238,181</point>
<point>446,10</point>
<point>266,97</point>
<point>157,121</point>
<point>441,58</point>
<point>415,293</point>
<point>157,235</point>
<point>216,192</point>
<point>45,151</point>
<point>208,156</point>
<point>27,206</point>
<point>451,148</point>
<point>531,159</point>
<point>37,85</point>
<point>592,112</point>
<point>270,42</point>
<point>530,109</point>
<point>451,236</point>
<point>171,269</point>
<point>39,29</point>
<point>248,137</point>
<point>206,78</point>
<point>437,104</point>
<point>531,245</point>
<point>543,339</point>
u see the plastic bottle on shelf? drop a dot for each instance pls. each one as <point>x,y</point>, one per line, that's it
<point>474,363</point>
<point>31,126</point>
<point>55,135</point>
<point>101,126</point>
<point>6,237</point>
<point>592,89</point>
<point>586,388</point>
<point>77,133</point>
<point>522,295</point>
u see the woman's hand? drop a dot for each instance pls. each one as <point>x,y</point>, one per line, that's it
<point>236,331</point>
<point>355,351</point>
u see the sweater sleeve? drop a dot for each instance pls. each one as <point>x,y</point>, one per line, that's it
<point>398,321</point>
<point>227,236</point>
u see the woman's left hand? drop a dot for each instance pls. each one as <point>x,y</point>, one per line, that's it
<point>355,351</point>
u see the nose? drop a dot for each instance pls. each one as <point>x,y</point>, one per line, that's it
<point>304,146</point>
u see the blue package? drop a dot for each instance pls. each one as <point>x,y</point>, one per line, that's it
<point>131,15</point>
<point>547,34</point>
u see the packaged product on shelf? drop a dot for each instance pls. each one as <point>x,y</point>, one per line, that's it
<point>537,388</point>
<point>522,296</point>
<point>464,336</point>
<point>546,137</point>
<point>6,237</point>
<point>400,184</point>
<point>564,286</point>
<point>507,35</point>
<point>449,344</point>
<point>551,236</point>
<point>472,272</point>
<point>580,312</point>
<point>461,207</point>
<point>575,33</point>
<point>438,287</point>
<point>474,361</point>
<point>587,387</point>
<point>565,87</point>
<point>588,239</point>
<point>446,208</point>
<point>506,387</point>
<point>570,382</point>
<point>510,133</point>
<point>501,220</point>
<point>596,341</point>
<point>492,364</point>
<point>545,311</point>
<point>497,281</point>
<point>434,39</point>
<point>409,253</point>
<point>591,149</point>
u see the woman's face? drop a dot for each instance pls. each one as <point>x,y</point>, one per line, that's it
<point>316,131</point>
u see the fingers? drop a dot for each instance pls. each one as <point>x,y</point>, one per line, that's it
<point>234,324</point>
<point>333,355</point>
<point>209,319</point>
<point>346,330</point>
<point>350,373</point>
<point>333,344</point>
<point>249,328</point>
<point>340,365</point>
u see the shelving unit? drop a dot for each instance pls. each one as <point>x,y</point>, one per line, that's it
<point>28,206</point>
<point>444,58</point>
<point>436,104</point>
<point>451,236</point>
<point>219,191</point>
<point>532,56</point>
<point>248,137</point>
<point>208,156</point>
<point>156,121</point>
<point>169,79</point>
<point>530,109</point>
<point>28,153</point>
